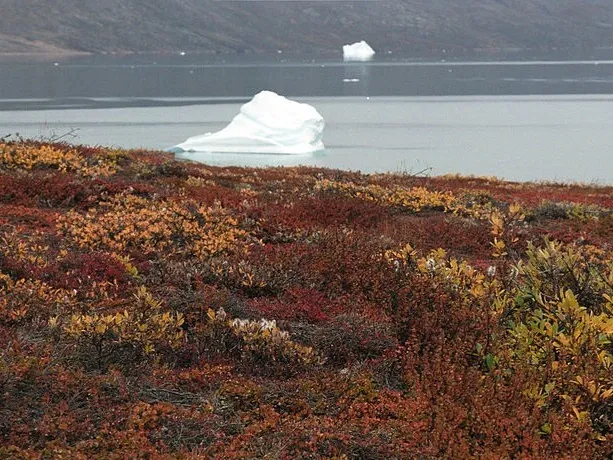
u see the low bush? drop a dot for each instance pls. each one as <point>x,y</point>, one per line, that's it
<point>158,309</point>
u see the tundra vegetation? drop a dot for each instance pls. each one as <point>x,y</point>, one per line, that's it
<point>153,308</point>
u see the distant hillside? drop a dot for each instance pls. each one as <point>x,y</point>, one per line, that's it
<point>318,27</point>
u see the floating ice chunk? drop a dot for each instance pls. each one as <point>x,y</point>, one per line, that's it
<point>360,51</point>
<point>269,123</point>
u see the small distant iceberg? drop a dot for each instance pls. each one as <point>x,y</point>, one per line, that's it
<point>269,124</point>
<point>360,51</point>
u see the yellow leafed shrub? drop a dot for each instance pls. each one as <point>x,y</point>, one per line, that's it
<point>400,258</point>
<point>128,222</point>
<point>24,298</point>
<point>144,326</point>
<point>456,275</point>
<point>30,156</point>
<point>28,250</point>
<point>559,316</point>
<point>260,341</point>
<point>413,199</point>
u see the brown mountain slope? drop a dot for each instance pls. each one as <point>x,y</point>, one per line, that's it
<point>319,27</point>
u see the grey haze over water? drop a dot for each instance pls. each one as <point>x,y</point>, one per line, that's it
<point>538,120</point>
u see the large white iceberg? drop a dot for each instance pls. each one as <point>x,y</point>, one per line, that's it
<point>269,123</point>
<point>360,51</point>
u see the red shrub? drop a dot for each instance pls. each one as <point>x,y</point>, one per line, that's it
<point>313,213</point>
<point>297,304</point>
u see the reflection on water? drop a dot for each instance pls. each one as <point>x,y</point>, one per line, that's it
<point>357,79</point>
<point>251,159</point>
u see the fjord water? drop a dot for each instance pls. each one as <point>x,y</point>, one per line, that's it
<point>520,120</point>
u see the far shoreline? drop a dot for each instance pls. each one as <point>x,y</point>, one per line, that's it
<point>485,54</point>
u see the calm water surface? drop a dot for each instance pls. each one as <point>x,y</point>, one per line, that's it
<point>539,120</point>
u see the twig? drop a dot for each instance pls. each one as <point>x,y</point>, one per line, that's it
<point>56,138</point>
<point>426,172</point>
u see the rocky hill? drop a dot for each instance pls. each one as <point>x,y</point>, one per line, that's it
<point>317,27</point>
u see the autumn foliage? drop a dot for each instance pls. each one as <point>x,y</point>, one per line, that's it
<point>153,308</point>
